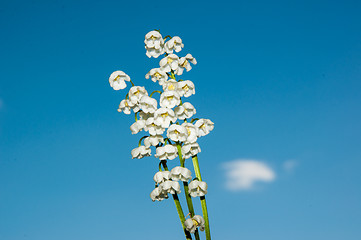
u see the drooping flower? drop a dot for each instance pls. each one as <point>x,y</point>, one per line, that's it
<point>169,63</point>
<point>166,152</point>
<point>164,116</point>
<point>117,80</point>
<point>169,99</point>
<point>136,93</point>
<point>186,88</point>
<point>191,224</point>
<point>160,177</point>
<point>197,188</point>
<point>137,126</point>
<point>184,63</point>
<point>177,133</point>
<point>204,126</point>
<point>180,173</point>
<point>175,43</point>
<point>153,140</point>
<point>158,194</point>
<point>148,104</point>
<point>171,187</point>
<point>170,85</point>
<point>152,127</point>
<point>157,74</point>
<point>190,149</point>
<point>186,110</point>
<point>192,132</point>
<point>126,106</point>
<point>140,152</point>
<point>154,44</point>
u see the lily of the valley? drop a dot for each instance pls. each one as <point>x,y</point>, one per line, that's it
<point>186,110</point>
<point>136,93</point>
<point>157,74</point>
<point>177,133</point>
<point>186,88</point>
<point>171,187</point>
<point>148,104</point>
<point>184,63</point>
<point>197,188</point>
<point>167,152</point>
<point>190,149</point>
<point>140,152</point>
<point>152,127</point>
<point>161,176</point>
<point>154,44</point>
<point>170,85</point>
<point>137,126</point>
<point>158,195</point>
<point>164,116</point>
<point>191,224</point>
<point>117,80</point>
<point>169,63</point>
<point>126,106</point>
<point>192,132</point>
<point>153,140</point>
<point>169,99</point>
<point>204,126</point>
<point>175,43</point>
<point>180,173</point>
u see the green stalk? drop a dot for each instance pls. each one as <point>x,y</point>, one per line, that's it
<point>203,199</point>
<point>178,206</point>
<point>186,192</point>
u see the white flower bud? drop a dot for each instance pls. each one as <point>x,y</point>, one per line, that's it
<point>153,140</point>
<point>137,126</point>
<point>160,177</point>
<point>204,126</point>
<point>171,187</point>
<point>177,133</point>
<point>181,173</point>
<point>158,195</point>
<point>140,152</point>
<point>197,188</point>
<point>154,44</point>
<point>186,110</point>
<point>117,80</point>
<point>166,152</point>
<point>190,149</point>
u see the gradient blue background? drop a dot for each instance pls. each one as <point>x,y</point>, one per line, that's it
<point>281,80</point>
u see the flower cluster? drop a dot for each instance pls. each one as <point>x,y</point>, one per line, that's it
<point>168,122</point>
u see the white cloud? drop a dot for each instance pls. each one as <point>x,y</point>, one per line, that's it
<point>242,174</point>
<point>290,165</point>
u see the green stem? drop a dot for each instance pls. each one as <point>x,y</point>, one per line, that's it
<point>131,82</point>
<point>203,199</point>
<point>155,92</point>
<point>181,215</point>
<point>186,192</point>
<point>140,141</point>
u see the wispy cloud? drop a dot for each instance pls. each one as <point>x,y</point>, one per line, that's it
<point>290,165</point>
<point>242,174</point>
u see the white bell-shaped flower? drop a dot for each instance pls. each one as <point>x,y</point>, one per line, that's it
<point>186,88</point>
<point>163,117</point>
<point>169,99</point>
<point>170,85</point>
<point>181,173</point>
<point>204,126</point>
<point>137,126</point>
<point>158,194</point>
<point>161,176</point>
<point>136,93</point>
<point>177,133</point>
<point>197,188</point>
<point>152,127</point>
<point>186,110</point>
<point>175,43</point>
<point>153,140</point>
<point>154,44</point>
<point>117,80</point>
<point>191,224</point>
<point>192,132</point>
<point>169,63</point>
<point>148,104</point>
<point>126,106</point>
<point>171,187</point>
<point>166,152</point>
<point>190,149</point>
<point>157,75</point>
<point>184,63</point>
<point>140,152</point>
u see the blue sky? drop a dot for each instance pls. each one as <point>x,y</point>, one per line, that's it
<point>280,80</point>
